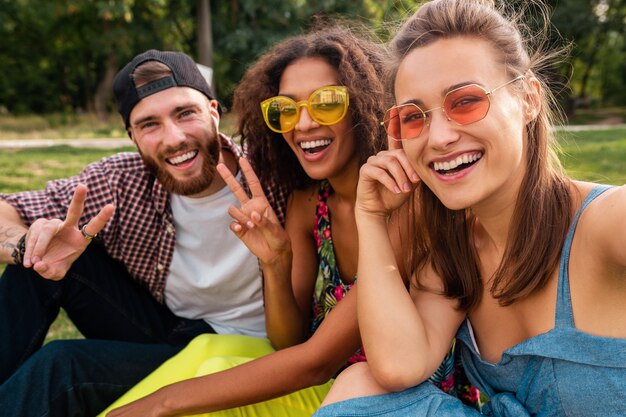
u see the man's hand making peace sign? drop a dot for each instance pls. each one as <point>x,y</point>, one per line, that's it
<point>53,245</point>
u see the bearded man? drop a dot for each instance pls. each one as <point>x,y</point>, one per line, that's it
<point>136,249</point>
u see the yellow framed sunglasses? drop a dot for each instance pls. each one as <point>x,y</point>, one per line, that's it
<point>326,106</point>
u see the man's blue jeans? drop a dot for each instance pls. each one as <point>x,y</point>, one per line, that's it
<point>128,334</point>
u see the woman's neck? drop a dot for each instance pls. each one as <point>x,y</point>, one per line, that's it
<point>344,184</point>
<point>495,214</point>
<point>493,230</point>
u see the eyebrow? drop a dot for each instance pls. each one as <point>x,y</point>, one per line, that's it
<point>174,111</point>
<point>142,120</point>
<point>445,91</point>
<point>291,96</point>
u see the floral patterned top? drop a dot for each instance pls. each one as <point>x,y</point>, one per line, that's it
<point>330,289</point>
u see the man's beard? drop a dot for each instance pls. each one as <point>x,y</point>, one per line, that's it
<point>210,157</point>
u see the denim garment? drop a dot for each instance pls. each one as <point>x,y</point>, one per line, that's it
<point>563,372</point>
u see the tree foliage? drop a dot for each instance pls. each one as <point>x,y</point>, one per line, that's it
<point>597,65</point>
<point>61,55</point>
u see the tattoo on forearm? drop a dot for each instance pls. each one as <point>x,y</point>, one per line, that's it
<point>7,246</point>
<point>8,233</point>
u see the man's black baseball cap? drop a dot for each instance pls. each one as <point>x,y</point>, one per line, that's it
<point>185,73</point>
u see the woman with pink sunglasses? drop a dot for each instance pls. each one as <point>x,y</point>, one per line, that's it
<point>526,266</point>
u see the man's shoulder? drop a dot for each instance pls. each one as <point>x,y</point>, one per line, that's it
<point>230,144</point>
<point>126,161</point>
<point>123,165</point>
<point>124,170</point>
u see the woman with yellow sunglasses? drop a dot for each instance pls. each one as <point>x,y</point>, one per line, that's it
<point>525,265</point>
<point>317,123</point>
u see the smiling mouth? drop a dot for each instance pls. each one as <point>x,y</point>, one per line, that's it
<point>457,164</point>
<point>315,146</point>
<point>181,159</point>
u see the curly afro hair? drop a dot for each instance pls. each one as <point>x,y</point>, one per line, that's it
<point>359,62</point>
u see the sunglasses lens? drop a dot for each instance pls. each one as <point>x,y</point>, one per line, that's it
<point>281,114</point>
<point>328,105</point>
<point>404,122</point>
<point>467,104</point>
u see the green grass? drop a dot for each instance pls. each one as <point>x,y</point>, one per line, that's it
<point>598,156</point>
<point>27,169</point>
<point>60,126</point>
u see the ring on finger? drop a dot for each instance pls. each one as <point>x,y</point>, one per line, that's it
<point>85,234</point>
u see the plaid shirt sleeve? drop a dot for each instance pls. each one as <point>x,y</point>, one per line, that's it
<point>277,197</point>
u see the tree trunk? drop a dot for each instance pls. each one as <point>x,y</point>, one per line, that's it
<point>105,87</point>
<point>205,37</point>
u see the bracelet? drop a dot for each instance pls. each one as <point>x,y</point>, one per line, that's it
<point>18,252</point>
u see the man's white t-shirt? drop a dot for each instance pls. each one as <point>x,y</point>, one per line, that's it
<point>213,276</point>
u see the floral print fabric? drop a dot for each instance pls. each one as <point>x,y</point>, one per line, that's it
<point>329,288</point>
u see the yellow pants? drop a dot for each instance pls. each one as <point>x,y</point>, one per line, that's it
<point>210,353</point>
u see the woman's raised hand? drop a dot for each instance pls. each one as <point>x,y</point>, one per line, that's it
<point>255,222</point>
<point>385,182</point>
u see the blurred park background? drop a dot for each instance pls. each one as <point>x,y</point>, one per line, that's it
<point>58,59</point>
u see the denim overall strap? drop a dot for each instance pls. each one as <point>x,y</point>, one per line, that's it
<point>564,316</point>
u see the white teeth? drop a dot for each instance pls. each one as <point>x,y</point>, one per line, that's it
<point>314,143</point>
<point>182,158</point>
<point>463,159</point>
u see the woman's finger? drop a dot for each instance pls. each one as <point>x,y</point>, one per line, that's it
<point>240,216</point>
<point>377,174</point>
<point>232,183</point>
<point>251,178</point>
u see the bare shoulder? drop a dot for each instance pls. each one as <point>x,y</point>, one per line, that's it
<point>603,223</point>
<point>606,208</point>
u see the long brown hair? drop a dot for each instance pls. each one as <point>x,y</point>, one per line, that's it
<point>542,215</point>
<point>359,64</point>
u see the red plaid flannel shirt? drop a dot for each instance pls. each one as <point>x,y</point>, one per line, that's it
<point>141,233</point>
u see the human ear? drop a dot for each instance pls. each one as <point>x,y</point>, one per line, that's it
<point>532,99</point>
<point>214,113</point>
<point>216,121</point>
<point>130,135</point>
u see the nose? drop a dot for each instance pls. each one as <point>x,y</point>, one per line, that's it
<point>173,135</point>
<point>305,122</point>
<point>442,132</point>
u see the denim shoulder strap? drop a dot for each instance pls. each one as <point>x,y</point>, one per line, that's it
<point>564,315</point>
